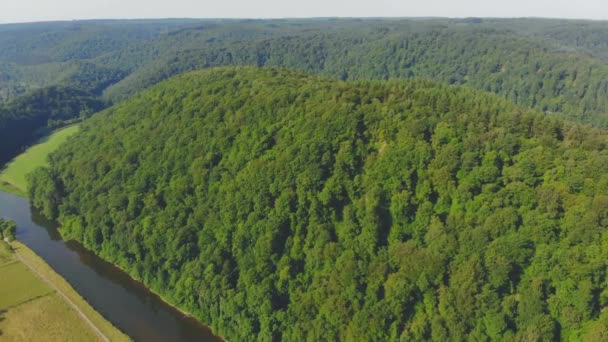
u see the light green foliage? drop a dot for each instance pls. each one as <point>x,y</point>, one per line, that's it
<point>277,205</point>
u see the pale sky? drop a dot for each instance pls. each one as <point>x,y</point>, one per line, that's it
<point>42,10</point>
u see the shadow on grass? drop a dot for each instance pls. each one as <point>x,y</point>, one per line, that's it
<point>2,312</point>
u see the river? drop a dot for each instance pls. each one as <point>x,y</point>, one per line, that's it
<point>127,303</point>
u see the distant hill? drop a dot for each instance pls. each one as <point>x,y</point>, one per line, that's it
<point>555,66</point>
<point>274,205</point>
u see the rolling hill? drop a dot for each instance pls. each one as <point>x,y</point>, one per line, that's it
<point>554,66</point>
<point>51,73</point>
<point>276,205</point>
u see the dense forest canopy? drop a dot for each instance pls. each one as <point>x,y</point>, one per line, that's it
<point>555,66</point>
<point>523,69</point>
<point>276,205</point>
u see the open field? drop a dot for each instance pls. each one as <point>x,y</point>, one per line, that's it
<point>39,305</point>
<point>45,319</point>
<point>13,176</point>
<point>21,286</point>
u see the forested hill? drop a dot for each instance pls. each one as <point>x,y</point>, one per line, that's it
<point>38,55</point>
<point>555,66</point>
<point>528,69</point>
<point>276,205</point>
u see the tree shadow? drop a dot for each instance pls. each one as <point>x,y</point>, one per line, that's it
<point>2,312</point>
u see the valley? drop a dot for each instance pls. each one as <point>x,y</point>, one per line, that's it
<point>13,177</point>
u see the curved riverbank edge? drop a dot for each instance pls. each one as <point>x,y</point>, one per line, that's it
<point>67,292</point>
<point>174,306</point>
<point>160,296</point>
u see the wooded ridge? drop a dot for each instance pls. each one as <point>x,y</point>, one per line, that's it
<point>273,204</point>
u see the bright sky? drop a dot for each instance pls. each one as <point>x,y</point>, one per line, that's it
<point>38,10</point>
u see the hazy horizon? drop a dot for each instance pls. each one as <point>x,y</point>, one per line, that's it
<point>285,18</point>
<point>62,10</point>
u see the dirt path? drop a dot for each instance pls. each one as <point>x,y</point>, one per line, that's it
<point>68,300</point>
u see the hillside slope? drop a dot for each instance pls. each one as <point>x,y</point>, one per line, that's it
<point>272,204</point>
<point>38,55</point>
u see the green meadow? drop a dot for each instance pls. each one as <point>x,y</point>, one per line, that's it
<point>13,177</point>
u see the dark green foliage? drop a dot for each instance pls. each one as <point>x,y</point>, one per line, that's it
<point>93,78</point>
<point>275,205</point>
<point>555,66</point>
<point>43,192</point>
<point>23,120</point>
<point>8,229</point>
<point>39,55</point>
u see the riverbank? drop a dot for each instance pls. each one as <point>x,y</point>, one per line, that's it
<point>213,335</point>
<point>38,304</point>
<point>169,303</point>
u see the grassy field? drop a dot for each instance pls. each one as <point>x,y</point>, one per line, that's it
<point>13,176</point>
<point>45,319</point>
<point>22,286</point>
<point>33,310</point>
